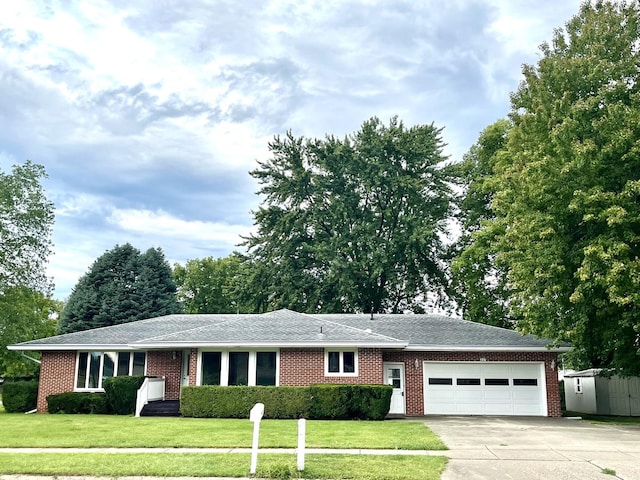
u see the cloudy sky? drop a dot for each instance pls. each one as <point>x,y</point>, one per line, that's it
<point>148,115</point>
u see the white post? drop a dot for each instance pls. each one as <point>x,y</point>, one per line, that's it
<point>302,428</point>
<point>255,416</point>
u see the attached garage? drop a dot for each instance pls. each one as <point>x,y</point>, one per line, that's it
<point>484,388</point>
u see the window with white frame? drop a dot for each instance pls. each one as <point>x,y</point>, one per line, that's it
<point>92,368</point>
<point>340,362</point>
<point>239,368</point>
<point>578,385</point>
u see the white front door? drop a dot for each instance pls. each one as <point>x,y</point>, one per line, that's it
<point>185,368</point>
<point>394,376</point>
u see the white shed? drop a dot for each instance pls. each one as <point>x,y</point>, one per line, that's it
<point>589,391</point>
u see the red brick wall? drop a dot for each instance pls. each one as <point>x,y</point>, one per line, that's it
<point>414,377</point>
<point>305,366</point>
<point>57,372</point>
<point>163,364</point>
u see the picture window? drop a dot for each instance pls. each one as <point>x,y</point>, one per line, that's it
<point>95,367</point>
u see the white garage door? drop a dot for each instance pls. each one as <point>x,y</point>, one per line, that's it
<point>484,388</point>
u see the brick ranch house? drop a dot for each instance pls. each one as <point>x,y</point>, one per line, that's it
<point>436,364</point>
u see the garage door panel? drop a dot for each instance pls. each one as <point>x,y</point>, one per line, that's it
<point>484,388</point>
<point>492,396</point>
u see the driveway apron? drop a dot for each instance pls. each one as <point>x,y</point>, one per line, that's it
<point>534,448</point>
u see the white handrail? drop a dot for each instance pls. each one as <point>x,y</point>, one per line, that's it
<point>150,390</point>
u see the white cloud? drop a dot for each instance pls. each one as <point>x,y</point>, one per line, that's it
<point>160,224</point>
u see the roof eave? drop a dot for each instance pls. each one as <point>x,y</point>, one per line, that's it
<point>49,347</point>
<point>483,348</point>
<point>318,344</point>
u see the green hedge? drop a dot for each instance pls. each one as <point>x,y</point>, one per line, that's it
<point>20,396</point>
<point>121,393</point>
<point>364,402</point>
<point>235,402</point>
<point>367,402</point>
<point>78,402</point>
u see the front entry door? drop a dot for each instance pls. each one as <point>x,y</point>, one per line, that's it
<point>394,376</point>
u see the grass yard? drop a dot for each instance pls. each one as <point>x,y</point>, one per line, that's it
<point>83,431</point>
<point>364,467</point>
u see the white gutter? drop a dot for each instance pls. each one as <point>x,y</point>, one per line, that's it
<point>63,347</point>
<point>482,348</point>
<point>179,345</point>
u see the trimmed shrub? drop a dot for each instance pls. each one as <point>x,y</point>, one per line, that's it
<point>336,401</point>
<point>371,402</point>
<point>366,402</point>
<point>20,396</point>
<point>121,393</point>
<point>212,401</point>
<point>78,402</point>
<point>330,401</point>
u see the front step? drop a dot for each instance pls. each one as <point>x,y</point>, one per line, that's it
<point>161,408</point>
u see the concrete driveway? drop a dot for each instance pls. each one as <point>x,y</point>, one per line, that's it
<point>534,448</point>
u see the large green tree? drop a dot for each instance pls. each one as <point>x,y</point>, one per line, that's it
<point>122,285</point>
<point>352,224</point>
<point>567,190</point>
<point>211,285</point>
<point>479,281</point>
<point>26,220</point>
<point>26,315</point>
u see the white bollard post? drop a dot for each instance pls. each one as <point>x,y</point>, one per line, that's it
<point>255,416</point>
<point>302,431</point>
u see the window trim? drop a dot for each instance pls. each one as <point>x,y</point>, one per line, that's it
<point>224,364</point>
<point>100,388</point>
<point>341,372</point>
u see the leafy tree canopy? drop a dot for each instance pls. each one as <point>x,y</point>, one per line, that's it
<point>352,224</point>
<point>121,286</point>
<point>26,220</point>
<point>479,281</point>
<point>26,315</point>
<point>211,285</point>
<point>566,190</point>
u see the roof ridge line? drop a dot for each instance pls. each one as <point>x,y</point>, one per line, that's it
<point>355,328</point>
<point>186,330</point>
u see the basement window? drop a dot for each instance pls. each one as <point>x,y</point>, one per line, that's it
<point>340,363</point>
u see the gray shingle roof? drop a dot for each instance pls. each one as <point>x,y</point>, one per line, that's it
<point>287,328</point>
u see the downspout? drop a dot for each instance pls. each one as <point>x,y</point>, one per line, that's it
<point>30,358</point>
<point>38,362</point>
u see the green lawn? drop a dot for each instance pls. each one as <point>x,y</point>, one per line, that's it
<point>228,465</point>
<point>41,430</point>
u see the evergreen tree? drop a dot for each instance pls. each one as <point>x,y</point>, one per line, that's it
<point>121,286</point>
